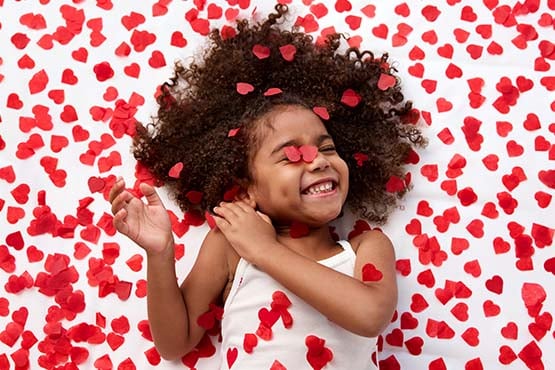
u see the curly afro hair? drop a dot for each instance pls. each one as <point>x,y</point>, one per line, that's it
<point>208,124</point>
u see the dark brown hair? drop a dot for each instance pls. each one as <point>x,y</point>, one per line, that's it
<point>200,109</point>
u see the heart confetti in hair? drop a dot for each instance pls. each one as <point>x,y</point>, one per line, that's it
<point>288,52</point>
<point>386,81</point>
<point>350,98</point>
<point>321,112</point>
<point>175,170</point>
<point>233,132</point>
<point>261,51</point>
<point>272,91</point>
<point>244,88</point>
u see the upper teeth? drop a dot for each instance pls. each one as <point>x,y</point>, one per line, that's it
<point>318,188</point>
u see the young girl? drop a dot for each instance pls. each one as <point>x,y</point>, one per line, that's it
<point>270,135</point>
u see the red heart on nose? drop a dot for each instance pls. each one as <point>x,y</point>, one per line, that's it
<point>308,152</point>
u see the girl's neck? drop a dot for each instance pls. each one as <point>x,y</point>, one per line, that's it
<point>315,245</point>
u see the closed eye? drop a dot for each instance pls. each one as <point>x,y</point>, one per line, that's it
<point>328,148</point>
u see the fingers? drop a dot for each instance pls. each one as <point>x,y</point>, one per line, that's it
<point>221,223</point>
<point>119,221</point>
<point>117,188</point>
<point>227,211</point>
<point>264,217</point>
<point>243,206</point>
<point>152,197</point>
<point>119,197</point>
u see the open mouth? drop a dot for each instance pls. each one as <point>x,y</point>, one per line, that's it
<point>320,188</point>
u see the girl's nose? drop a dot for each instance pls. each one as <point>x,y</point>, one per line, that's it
<point>319,163</point>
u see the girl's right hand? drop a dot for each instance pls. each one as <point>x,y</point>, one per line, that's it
<point>148,224</point>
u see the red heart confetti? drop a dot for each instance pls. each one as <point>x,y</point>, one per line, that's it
<point>288,52</point>
<point>350,98</point>
<point>370,273</point>
<point>308,152</point>
<point>386,81</point>
<point>244,88</point>
<point>261,51</point>
<point>322,112</point>
<point>175,170</point>
<point>272,91</point>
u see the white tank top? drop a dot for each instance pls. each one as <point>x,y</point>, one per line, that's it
<point>265,326</point>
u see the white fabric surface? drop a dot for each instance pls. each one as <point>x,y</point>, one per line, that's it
<point>475,277</point>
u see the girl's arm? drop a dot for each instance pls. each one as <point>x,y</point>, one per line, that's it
<point>172,310</point>
<point>364,308</point>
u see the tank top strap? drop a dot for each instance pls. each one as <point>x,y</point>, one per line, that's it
<point>346,247</point>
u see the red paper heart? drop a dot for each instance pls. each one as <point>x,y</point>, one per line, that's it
<point>318,355</point>
<point>308,153</point>
<point>381,31</point>
<point>408,321</point>
<point>261,51</point>
<point>495,284</point>
<point>250,341</point>
<point>547,178</point>
<point>470,336</point>
<point>510,331</point>
<point>272,91</point>
<point>426,278</point>
<point>276,365</point>
<point>506,355</point>
<point>386,81</point>
<point>403,266</point>
<point>175,170</point>
<point>395,338</point>
<point>157,59</point>
<point>178,40</point>
<point>292,153</point>
<point>114,341</point>
<point>490,308</point>
<point>322,112</point>
<point>370,273</point>
<point>443,105</point>
<point>268,317</point>
<point>343,6</point>
<point>350,98</point>
<point>418,303</point>
<point>132,20</point>
<point>244,88</point>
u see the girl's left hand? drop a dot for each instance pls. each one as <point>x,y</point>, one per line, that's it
<point>247,230</point>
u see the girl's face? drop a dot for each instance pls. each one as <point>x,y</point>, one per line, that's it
<point>308,191</point>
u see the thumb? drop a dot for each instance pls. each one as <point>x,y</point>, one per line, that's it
<point>152,197</point>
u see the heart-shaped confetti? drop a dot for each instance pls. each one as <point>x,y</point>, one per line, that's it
<point>244,88</point>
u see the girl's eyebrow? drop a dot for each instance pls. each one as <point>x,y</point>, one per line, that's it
<point>319,141</point>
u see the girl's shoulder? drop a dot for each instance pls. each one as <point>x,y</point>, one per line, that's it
<point>370,239</point>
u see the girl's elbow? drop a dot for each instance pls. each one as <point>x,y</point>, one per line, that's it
<point>169,355</point>
<point>172,354</point>
<point>376,322</point>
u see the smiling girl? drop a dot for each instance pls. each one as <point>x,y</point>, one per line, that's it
<point>275,134</point>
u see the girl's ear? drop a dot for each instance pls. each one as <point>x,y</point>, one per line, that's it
<point>246,197</point>
<point>246,194</point>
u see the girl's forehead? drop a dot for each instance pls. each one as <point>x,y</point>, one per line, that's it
<point>291,121</point>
